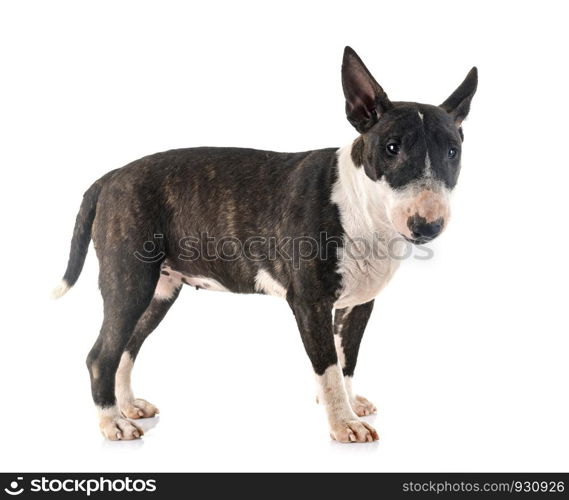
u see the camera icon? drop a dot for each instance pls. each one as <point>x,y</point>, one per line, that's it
<point>13,488</point>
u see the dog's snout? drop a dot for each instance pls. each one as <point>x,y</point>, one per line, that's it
<point>423,231</point>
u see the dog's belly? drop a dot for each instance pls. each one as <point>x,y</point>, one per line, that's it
<point>171,279</point>
<point>363,279</point>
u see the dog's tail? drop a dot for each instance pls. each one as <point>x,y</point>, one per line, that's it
<point>81,238</point>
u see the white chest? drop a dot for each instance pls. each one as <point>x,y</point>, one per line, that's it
<point>371,251</point>
<point>363,277</point>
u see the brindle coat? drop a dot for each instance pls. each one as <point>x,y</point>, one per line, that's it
<point>148,219</point>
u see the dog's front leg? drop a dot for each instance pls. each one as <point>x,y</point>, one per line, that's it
<point>349,326</point>
<point>314,321</point>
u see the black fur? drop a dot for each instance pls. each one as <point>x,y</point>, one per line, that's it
<point>221,192</point>
<point>147,323</point>
<point>350,324</point>
<point>314,320</point>
<point>458,103</point>
<point>403,126</point>
<point>82,231</point>
<point>366,101</point>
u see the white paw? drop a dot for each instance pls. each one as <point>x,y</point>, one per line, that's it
<point>362,407</point>
<point>118,429</point>
<point>353,431</point>
<point>139,408</point>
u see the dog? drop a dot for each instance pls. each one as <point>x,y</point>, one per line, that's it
<point>149,221</point>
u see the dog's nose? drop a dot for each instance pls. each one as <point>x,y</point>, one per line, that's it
<point>423,231</point>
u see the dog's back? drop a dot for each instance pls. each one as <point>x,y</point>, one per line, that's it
<point>159,206</point>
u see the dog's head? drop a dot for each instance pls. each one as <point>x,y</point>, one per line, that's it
<point>411,150</point>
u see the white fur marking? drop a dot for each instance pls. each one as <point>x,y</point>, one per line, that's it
<point>123,390</point>
<point>348,386</point>
<point>115,427</point>
<point>264,282</point>
<point>368,264</point>
<point>206,283</point>
<point>344,423</point>
<point>361,406</point>
<point>428,169</point>
<point>60,290</point>
<point>338,337</point>
<point>340,350</point>
<point>108,413</point>
<point>332,393</point>
<point>169,283</point>
<point>167,286</point>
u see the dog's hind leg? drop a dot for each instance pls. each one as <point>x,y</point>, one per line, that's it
<point>127,286</point>
<point>349,326</point>
<point>130,406</point>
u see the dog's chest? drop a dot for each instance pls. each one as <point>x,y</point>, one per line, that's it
<point>365,271</point>
<point>369,257</point>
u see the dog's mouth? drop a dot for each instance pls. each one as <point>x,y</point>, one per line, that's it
<point>422,240</point>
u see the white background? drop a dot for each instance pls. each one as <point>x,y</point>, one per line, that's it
<point>465,355</point>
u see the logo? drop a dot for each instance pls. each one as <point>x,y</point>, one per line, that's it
<point>13,489</point>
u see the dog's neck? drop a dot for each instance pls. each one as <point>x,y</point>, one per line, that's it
<point>363,203</point>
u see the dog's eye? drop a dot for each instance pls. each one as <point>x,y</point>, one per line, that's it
<point>392,148</point>
<point>452,152</point>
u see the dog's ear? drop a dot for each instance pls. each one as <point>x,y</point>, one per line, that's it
<point>458,104</point>
<point>365,99</point>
